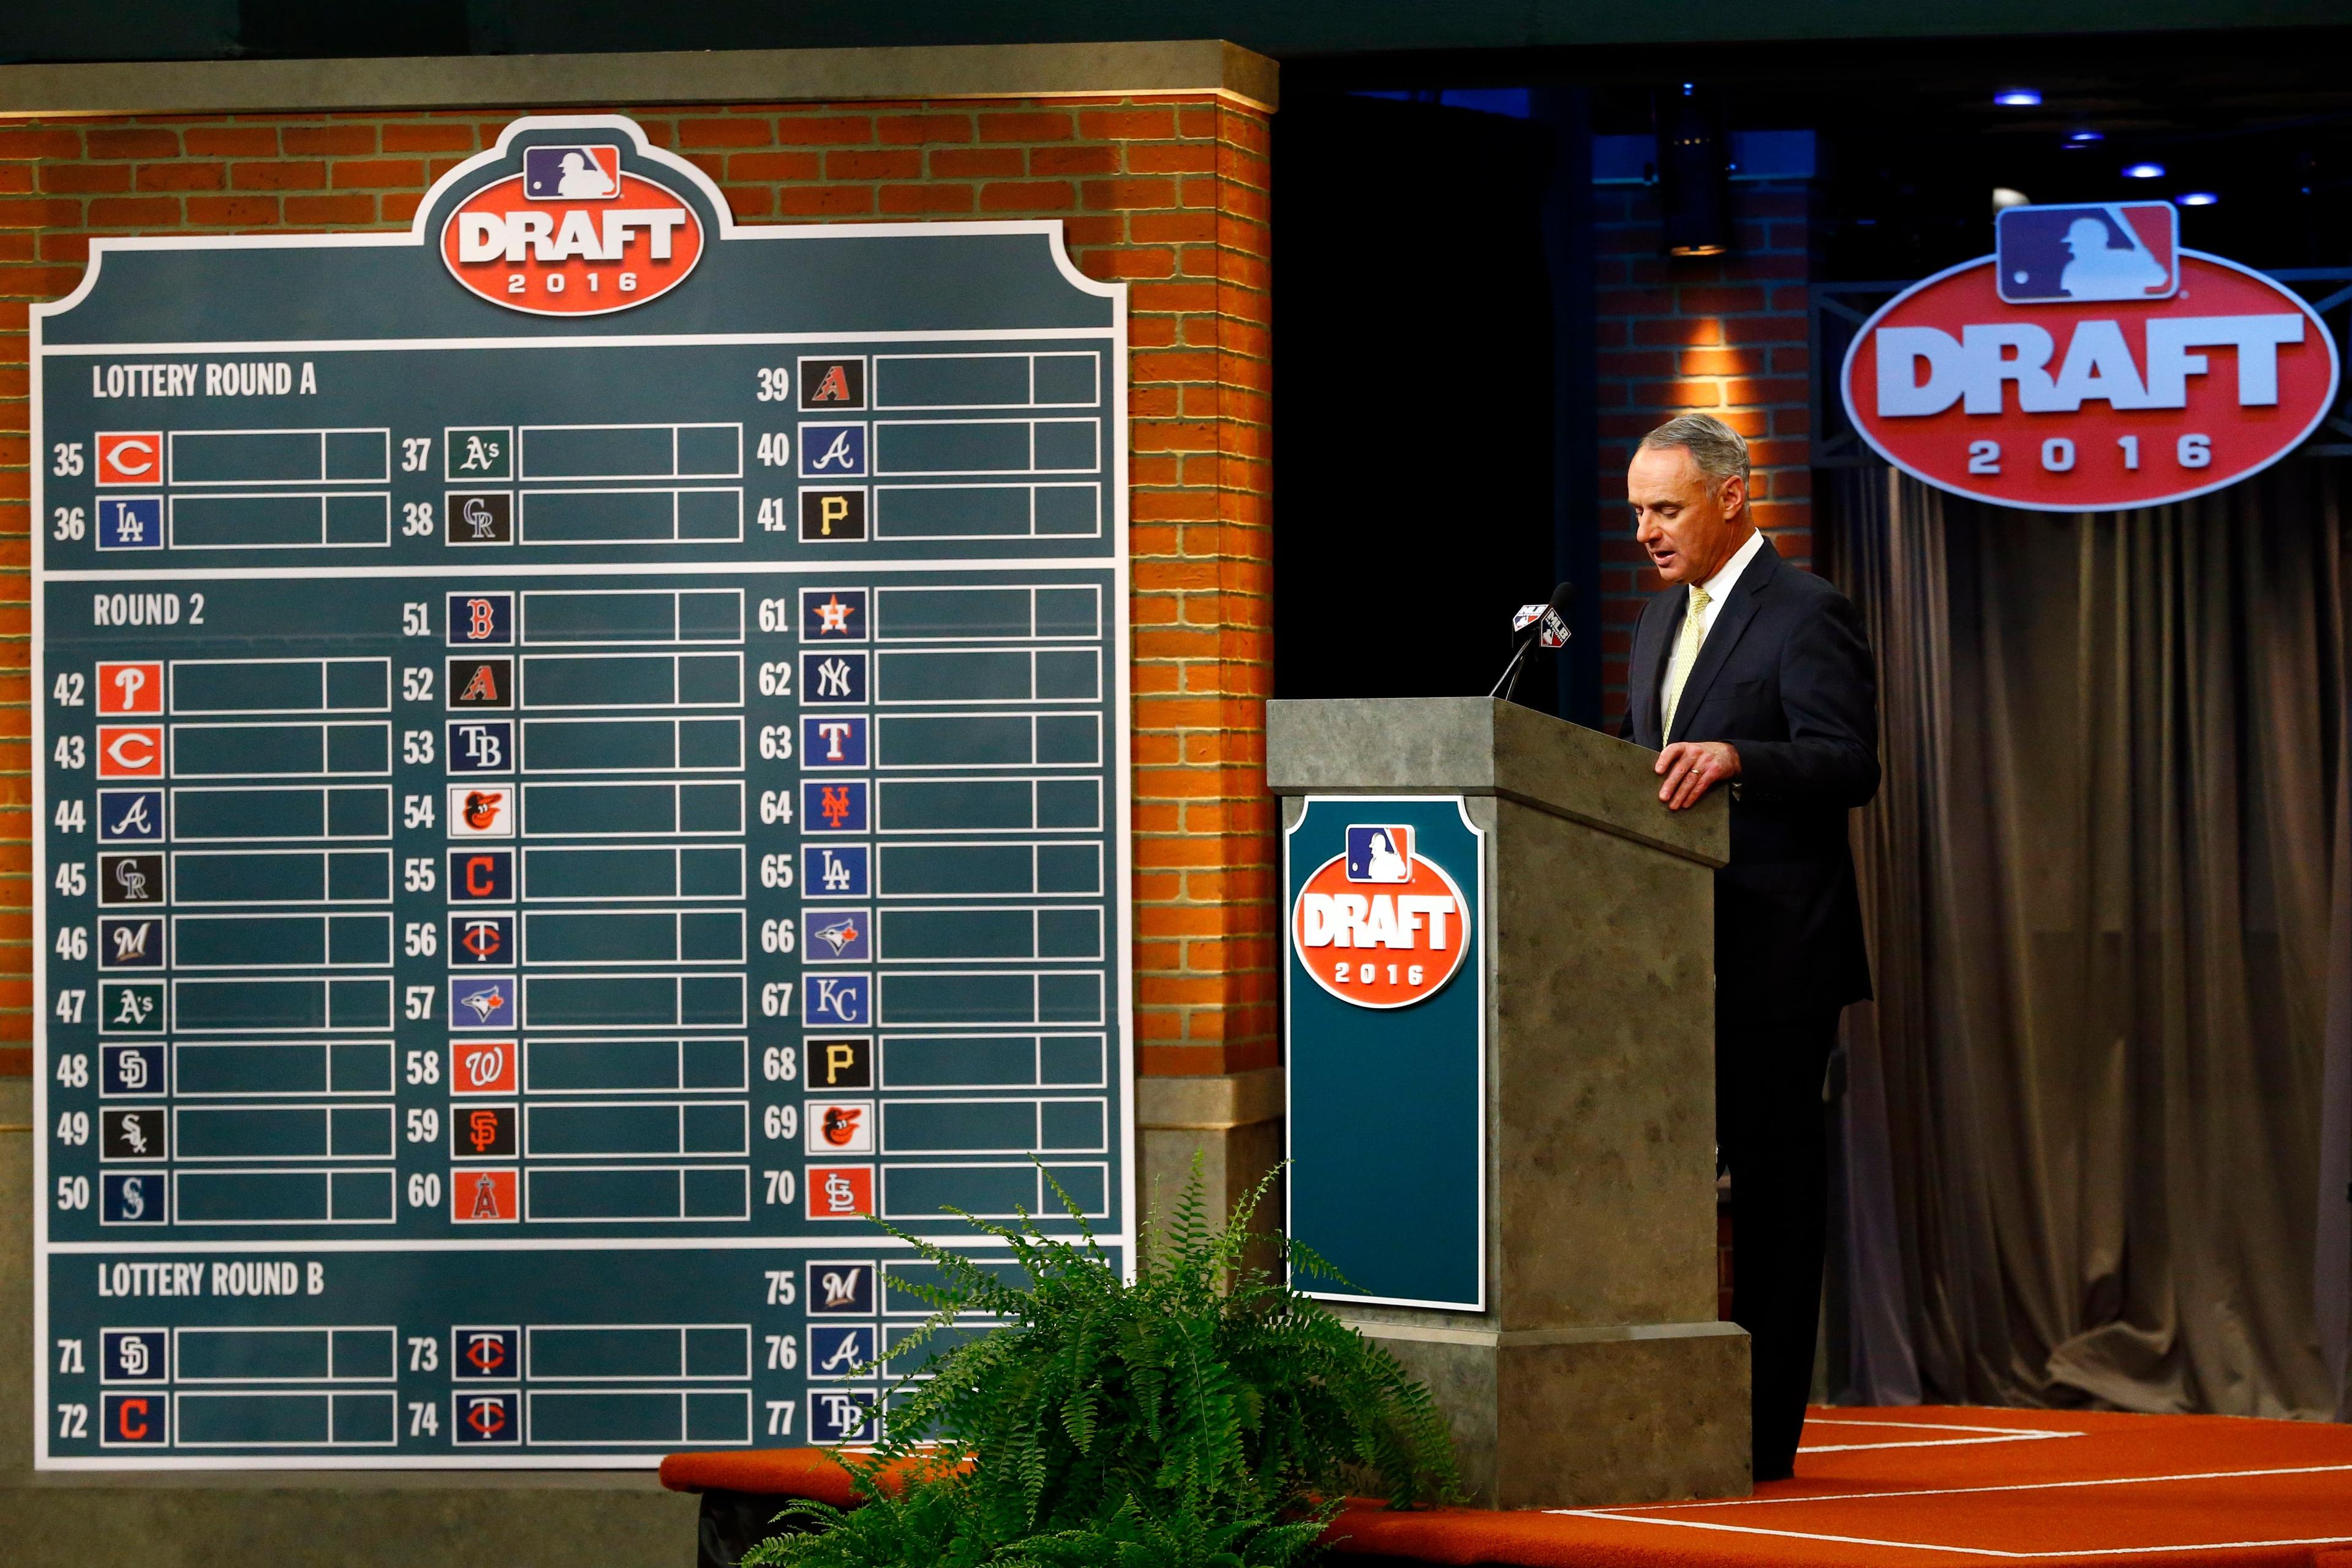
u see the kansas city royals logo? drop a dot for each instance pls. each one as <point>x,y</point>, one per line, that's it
<point>840,1290</point>
<point>2108,250</point>
<point>833,451</point>
<point>842,1350</point>
<point>837,998</point>
<point>482,1003</point>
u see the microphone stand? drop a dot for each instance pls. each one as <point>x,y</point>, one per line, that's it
<point>1509,683</point>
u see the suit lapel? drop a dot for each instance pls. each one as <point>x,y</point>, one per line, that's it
<point>1730,621</point>
<point>1650,639</point>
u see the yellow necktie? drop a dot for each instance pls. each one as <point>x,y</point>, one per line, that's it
<point>1687,647</point>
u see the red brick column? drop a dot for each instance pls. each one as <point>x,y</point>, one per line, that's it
<point>1167,194</point>
<point>1722,335</point>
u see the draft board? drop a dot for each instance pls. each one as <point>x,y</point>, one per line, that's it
<point>582,756</point>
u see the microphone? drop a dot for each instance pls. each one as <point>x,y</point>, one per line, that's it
<point>1534,626</point>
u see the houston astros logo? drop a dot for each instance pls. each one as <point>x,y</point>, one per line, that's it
<point>1379,926</point>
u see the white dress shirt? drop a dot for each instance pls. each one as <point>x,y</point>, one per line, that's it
<point>1719,587</point>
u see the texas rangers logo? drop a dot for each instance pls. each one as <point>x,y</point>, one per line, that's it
<point>1379,926</point>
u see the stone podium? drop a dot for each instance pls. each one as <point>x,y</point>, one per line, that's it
<point>1593,1369</point>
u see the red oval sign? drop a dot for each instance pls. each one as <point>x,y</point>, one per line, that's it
<point>1389,938</point>
<point>575,254</point>
<point>2090,406</point>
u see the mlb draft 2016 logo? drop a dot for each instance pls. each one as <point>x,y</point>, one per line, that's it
<point>576,232</point>
<point>1376,925</point>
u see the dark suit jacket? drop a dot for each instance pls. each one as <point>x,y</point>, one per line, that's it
<point>1786,676</point>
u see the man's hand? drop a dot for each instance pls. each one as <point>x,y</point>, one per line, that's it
<point>1691,768</point>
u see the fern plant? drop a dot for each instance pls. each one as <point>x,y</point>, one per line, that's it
<point>1203,1416</point>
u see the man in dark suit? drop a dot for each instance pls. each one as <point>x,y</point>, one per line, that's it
<point>1750,674</point>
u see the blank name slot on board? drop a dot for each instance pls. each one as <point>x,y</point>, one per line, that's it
<point>981,997</point>
<point>286,1420</point>
<point>633,1001</point>
<point>640,1418</point>
<point>915,935</point>
<point>991,1190</point>
<point>280,751</point>
<point>624,1128</point>
<point>283,1197</point>
<point>560,938</point>
<point>987,381</point>
<point>282,520</point>
<point>252,1005</point>
<point>552,810</point>
<point>217,876</point>
<point>562,680</point>
<point>969,1126</point>
<point>987,870</point>
<point>204,688</point>
<point>1043,613</point>
<point>282,1068</point>
<point>357,456</point>
<point>326,812</point>
<point>988,740</point>
<point>619,1067</point>
<point>597,874</point>
<point>632,745</point>
<point>586,1194</point>
<point>988,805</point>
<point>322,1354</point>
<point>921,448</point>
<point>563,617</point>
<point>259,1132</point>
<point>712,451</point>
<point>937,675</point>
<point>949,511</point>
<point>281,942</point>
<point>993,1061</point>
<point>636,1352</point>
<point>705,514</point>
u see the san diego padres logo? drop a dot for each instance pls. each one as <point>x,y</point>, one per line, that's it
<point>1379,926</point>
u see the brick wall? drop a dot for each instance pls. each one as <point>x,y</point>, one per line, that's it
<point>1722,335</point>
<point>1168,194</point>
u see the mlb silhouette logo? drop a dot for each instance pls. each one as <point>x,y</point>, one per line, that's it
<point>2105,250</point>
<point>134,1355</point>
<point>575,172</point>
<point>486,1420</point>
<point>1379,853</point>
<point>481,746</point>
<point>484,877</point>
<point>131,522</point>
<point>840,1192</point>
<point>482,940</point>
<point>130,690</point>
<point>833,807</point>
<point>131,458</point>
<point>836,998</point>
<point>481,811</point>
<point>835,872</point>
<point>833,615</point>
<point>844,1415</point>
<point>132,1200</point>
<point>478,1355</point>
<point>481,620</point>
<point>833,384</point>
<point>834,742</point>
<point>130,816</point>
<point>842,1350</point>
<point>134,1421</point>
<point>833,451</point>
<point>482,1067</point>
<point>840,1126</point>
<point>841,1290</point>
<point>482,1003</point>
<point>130,750</point>
<point>130,1070</point>
<point>833,677</point>
<point>483,1197</point>
<point>839,936</point>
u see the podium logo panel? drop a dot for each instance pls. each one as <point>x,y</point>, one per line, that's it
<point>1377,925</point>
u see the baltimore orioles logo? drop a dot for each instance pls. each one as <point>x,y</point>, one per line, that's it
<point>482,808</point>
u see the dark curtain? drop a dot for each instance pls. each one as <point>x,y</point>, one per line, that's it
<point>2097,1120</point>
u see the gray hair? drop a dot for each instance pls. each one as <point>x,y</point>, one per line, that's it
<point>1717,449</point>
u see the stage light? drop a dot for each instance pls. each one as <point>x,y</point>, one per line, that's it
<point>2003,198</point>
<point>2197,199</point>
<point>2018,97</point>
<point>1693,166</point>
<point>2143,171</point>
<point>2084,138</point>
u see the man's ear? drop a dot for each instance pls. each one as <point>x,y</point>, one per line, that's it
<point>1734,496</point>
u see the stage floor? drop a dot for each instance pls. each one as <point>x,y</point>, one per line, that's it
<point>1949,1485</point>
